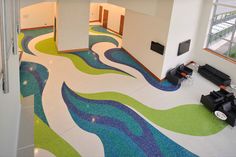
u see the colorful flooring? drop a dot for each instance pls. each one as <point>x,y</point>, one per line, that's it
<point>103,103</point>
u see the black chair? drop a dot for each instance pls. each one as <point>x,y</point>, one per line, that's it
<point>229,109</point>
<point>222,101</point>
<point>178,74</point>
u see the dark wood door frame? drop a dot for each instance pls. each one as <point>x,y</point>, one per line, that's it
<point>100,13</point>
<point>105,18</point>
<point>55,28</point>
<point>122,21</point>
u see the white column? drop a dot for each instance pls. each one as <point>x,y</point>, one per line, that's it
<point>72,24</point>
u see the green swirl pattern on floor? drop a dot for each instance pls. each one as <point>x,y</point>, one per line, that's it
<point>48,46</point>
<point>27,35</point>
<point>100,30</point>
<point>102,35</point>
<point>46,138</point>
<point>186,119</point>
<point>20,38</point>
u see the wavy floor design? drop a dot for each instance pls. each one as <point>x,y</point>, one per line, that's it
<point>46,138</point>
<point>122,131</point>
<point>185,119</point>
<point>33,78</point>
<point>27,35</point>
<point>94,39</point>
<point>25,43</point>
<point>101,30</point>
<point>92,59</point>
<point>120,56</point>
<point>86,62</point>
<point>112,122</point>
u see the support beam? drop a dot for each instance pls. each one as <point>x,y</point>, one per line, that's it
<point>72,24</point>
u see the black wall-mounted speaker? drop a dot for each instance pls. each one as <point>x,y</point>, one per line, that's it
<point>184,47</point>
<point>157,47</point>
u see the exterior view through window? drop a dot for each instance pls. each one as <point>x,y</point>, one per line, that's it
<point>222,35</point>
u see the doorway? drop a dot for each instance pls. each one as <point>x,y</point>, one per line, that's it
<point>105,18</point>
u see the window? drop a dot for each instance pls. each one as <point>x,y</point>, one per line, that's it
<point>222,34</point>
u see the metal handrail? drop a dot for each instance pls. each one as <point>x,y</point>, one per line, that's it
<point>4,47</point>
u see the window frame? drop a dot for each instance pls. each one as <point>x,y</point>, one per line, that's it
<point>231,41</point>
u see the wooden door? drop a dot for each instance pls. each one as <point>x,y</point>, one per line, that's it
<point>100,13</point>
<point>122,21</point>
<point>55,29</point>
<point>105,18</point>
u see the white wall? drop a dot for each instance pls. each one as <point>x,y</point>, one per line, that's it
<point>72,24</point>
<point>183,26</point>
<point>143,6</point>
<point>203,57</point>
<point>38,15</point>
<point>141,29</point>
<point>94,12</point>
<point>24,3</point>
<point>114,16</point>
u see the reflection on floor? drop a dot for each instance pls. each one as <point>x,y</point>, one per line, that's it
<point>103,103</point>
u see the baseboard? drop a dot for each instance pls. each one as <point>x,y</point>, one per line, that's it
<point>94,21</point>
<point>191,62</point>
<point>74,50</point>
<point>113,31</point>
<point>34,28</point>
<point>142,65</point>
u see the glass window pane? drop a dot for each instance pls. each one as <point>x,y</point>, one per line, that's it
<point>232,52</point>
<point>221,46</point>
<point>222,33</point>
<point>228,2</point>
<point>223,30</point>
<point>224,10</point>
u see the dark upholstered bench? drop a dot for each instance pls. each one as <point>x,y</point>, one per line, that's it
<point>217,77</point>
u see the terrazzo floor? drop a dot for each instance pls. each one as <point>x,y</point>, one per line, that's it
<point>101,102</point>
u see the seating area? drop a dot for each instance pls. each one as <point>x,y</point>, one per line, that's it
<point>177,75</point>
<point>222,102</point>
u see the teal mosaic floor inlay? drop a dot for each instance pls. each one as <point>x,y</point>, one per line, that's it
<point>94,39</point>
<point>33,78</point>
<point>93,60</point>
<point>120,56</point>
<point>131,135</point>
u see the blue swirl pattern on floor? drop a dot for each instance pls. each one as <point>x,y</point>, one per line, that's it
<point>120,56</point>
<point>94,39</point>
<point>31,34</point>
<point>122,131</point>
<point>25,43</point>
<point>33,78</point>
<point>92,59</point>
